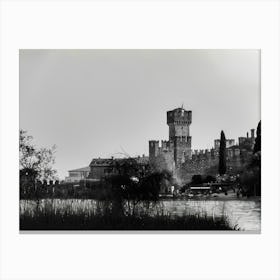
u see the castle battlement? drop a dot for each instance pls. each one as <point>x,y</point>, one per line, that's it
<point>178,147</point>
<point>231,152</point>
<point>179,143</point>
<point>206,154</point>
<point>179,116</point>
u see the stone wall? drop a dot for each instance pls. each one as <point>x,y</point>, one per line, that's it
<point>207,163</point>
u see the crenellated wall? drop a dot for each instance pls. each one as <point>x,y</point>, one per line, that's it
<point>176,153</point>
<point>206,162</point>
<point>180,141</point>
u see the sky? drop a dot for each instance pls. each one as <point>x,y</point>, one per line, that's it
<point>103,103</point>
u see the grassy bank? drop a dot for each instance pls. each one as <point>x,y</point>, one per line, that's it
<point>46,219</point>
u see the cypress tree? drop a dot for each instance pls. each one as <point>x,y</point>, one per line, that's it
<point>222,154</point>
<point>257,146</point>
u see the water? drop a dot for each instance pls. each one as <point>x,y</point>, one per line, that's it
<point>244,214</point>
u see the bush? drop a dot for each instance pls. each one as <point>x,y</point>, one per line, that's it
<point>251,182</point>
<point>209,179</point>
<point>197,179</point>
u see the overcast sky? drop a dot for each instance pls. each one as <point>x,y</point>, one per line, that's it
<point>97,103</point>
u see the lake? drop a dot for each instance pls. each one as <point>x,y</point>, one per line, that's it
<point>243,213</point>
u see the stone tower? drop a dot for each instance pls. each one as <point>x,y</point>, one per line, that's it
<point>179,121</point>
<point>154,149</point>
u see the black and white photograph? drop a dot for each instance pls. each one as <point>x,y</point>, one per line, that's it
<point>140,140</point>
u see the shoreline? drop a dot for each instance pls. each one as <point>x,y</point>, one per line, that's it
<point>215,198</point>
<point>165,198</point>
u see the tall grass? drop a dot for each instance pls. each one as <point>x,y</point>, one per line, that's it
<point>56,215</point>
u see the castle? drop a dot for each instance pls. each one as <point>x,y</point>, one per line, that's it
<point>177,155</point>
<point>178,147</point>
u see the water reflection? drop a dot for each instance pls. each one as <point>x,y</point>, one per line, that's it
<point>245,214</point>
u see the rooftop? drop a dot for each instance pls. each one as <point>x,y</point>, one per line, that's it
<point>102,161</point>
<point>110,161</point>
<point>83,169</point>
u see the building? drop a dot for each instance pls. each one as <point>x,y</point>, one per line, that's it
<point>76,175</point>
<point>176,155</point>
<point>104,167</point>
<point>247,142</point>
<point>101,167</point>
<point>229,143</point>
<point>178,147</point>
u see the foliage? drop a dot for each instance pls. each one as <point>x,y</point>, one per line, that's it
<point>209,179</point>
<point>257,146</point>
<point>163,162</point>
<point>34,160</point>
<point>197,179</point>
<point>251,181</point>
<point>251,177</point>
<point>27,182</point>
<point>132,185</point>
<point>222,154</point>
<point>150,185</point>
<point>200,179</point>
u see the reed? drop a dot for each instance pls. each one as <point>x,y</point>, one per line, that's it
<point>49,215</point>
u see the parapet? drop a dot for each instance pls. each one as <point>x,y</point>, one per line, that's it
<point>229,143</point>
<point>153,143</point>
<point>231,152</point>
<point>204,154</point>
<point>155,149</point>
<point>180,116</point>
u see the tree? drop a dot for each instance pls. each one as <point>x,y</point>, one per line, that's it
<point>35,164</point>
<point>210,179</point>
<point>130,186</point>
<point>163,162</point>
<point>257,146</point>
<point>251,177</point>
<point>222,154</point>
<point>251,181</point>
<point>197,179</point>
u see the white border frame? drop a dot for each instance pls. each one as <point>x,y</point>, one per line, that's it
<point>124,24</point>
